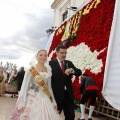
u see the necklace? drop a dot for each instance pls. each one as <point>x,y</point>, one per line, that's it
<point>42,69</point>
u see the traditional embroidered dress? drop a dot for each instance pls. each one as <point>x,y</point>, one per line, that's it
<point>2,84</point>
<point>37,104</point>
<point>11,86</point>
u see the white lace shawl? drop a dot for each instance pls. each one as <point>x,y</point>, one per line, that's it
<point>27,81</point>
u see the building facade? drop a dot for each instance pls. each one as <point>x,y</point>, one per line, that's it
<point>64,9</point>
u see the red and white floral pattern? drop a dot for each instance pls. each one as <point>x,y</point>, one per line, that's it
<point>88,51</point>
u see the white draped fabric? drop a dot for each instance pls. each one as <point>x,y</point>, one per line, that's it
<point>49,42</point>
<point>111,85</point>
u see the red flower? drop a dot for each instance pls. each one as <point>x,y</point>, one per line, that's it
<point>76,89</point>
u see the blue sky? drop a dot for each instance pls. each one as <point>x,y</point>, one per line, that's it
<point>23,25</point>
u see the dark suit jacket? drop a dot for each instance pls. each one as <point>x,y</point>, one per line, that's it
<point>60,80</point>
<point>20,76</point>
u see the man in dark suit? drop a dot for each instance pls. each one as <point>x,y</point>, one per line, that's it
<point>20,77</point>
<point>61,82</point>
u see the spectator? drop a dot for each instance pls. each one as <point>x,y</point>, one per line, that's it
<point>20,77</point>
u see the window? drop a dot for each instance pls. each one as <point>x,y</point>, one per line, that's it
<point>65,15</point>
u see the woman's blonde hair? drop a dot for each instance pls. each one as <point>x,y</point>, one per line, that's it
<point>41,50</point>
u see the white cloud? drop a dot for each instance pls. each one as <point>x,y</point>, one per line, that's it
<point>23,25</point>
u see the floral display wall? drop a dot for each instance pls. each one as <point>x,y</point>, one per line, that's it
<point>86,35</point>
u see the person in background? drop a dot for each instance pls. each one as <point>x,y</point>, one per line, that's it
<point>36,100</point>
<point>19,78</point>
<point>3,77</point>
<point>62,71</point>
<point>89,90</point>
<point>13,89</point>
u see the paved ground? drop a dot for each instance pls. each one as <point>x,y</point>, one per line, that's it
<point>7,104</point>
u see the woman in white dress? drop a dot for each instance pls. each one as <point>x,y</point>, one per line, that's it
<point>34,101</point>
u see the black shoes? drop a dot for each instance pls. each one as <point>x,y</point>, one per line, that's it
<point>13,96</point>
<point>84,119</point>
<point>80,119</point>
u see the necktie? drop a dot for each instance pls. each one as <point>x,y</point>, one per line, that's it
<point>62,66</point>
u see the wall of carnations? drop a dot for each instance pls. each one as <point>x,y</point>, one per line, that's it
<point>86,36</point>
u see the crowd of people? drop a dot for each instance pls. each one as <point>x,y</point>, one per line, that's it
<point>47,89</point>
<point>10,82</point>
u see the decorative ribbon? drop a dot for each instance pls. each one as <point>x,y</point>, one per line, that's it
<point>40,81</point>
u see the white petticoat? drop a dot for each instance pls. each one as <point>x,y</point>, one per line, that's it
<point>39,108</point>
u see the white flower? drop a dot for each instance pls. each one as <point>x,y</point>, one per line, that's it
<point>83,58</point>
